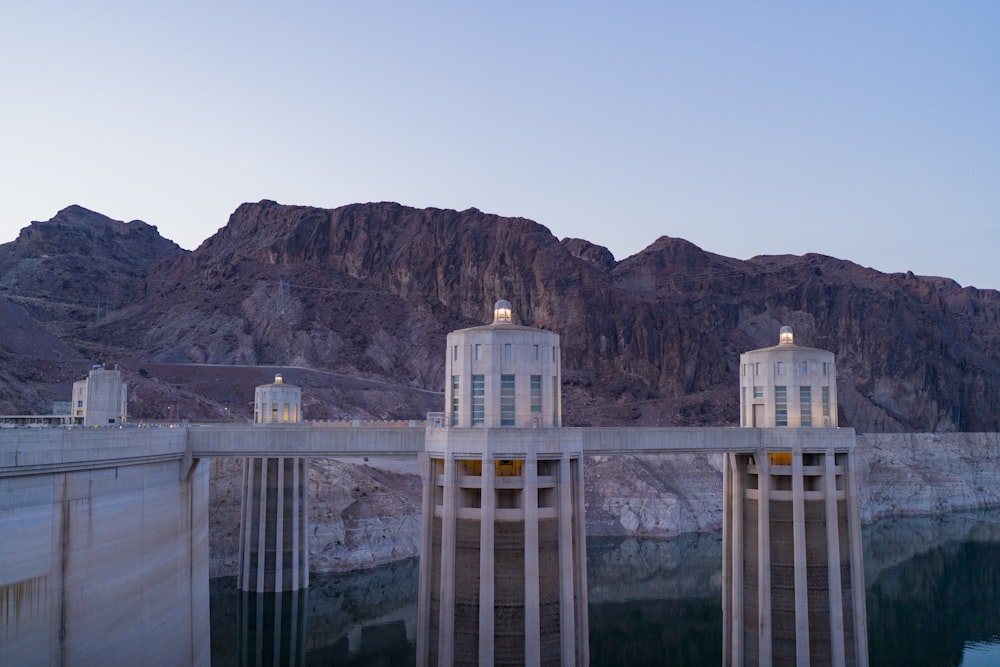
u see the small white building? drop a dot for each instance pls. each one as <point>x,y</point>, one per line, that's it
<point>793,572</point>
<point>274,525</point>
<point>277,403</point>
<point>100,399</point>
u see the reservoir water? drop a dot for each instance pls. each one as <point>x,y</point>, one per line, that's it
<point>933,597</point>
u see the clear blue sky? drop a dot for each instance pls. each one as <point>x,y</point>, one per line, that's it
<point>864,130</point>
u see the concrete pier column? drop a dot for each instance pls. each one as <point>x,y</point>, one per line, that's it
<point>799,556</point>
<point>487,562</point>
<point>567,617</point>
<point>426,542</point>
<point>532,628</point>
<point>764,558</point>
<point>274,525</point>
<point>734,489</point>
<point>446,621</point>
<point>853,505</point>
<point>837,658</point>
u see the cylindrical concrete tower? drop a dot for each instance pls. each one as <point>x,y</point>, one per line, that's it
<point>787,385</point>
<point>503,576</point>
<point>274,525</point>
<point>793,576</point>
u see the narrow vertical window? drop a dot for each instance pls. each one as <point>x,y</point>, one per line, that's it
<point>805,406</point>
<point>536,353</point>
<point>805,367</point>
<point>536,393</point>
<point>454,352</point>
<point>825,367</point>
<point>743,405</point>
<point>780,406</point>
<point>826,401</point>
<point>555,401</point>
<point>478,400</point>
<point>781,368</point>
<point>756,368</point>
<point>479,351</point>
<point>506,351</point>
<point>506,400</point>
<point>454,400</point>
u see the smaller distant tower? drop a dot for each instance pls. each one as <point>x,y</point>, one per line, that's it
<point>275,496</point>
<point>277,403</point>
<point>793,577</point>
<point>100,399</point>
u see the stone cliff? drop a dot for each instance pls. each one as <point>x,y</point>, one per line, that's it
<point>370,290</point>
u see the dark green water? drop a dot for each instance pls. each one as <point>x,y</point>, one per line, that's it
<point>933,597</point>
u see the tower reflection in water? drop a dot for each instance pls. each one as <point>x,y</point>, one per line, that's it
<point>273,628</point>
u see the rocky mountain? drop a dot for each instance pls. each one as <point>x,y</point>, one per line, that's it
<point>370,290</point>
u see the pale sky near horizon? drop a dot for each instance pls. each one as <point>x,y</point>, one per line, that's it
<point>869,131</point>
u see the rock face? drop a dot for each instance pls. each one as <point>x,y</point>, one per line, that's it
<point>371,290</point>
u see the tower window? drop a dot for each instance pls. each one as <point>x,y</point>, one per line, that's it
<point>506,400</point>
<point>454,352</point>
<point>536,353</point>
<point>536,393</point>
<point>478,400</point>
<point>454,400</point>
<point>758,392</point>
<point>805,367</point>
<point>805,406</point>
<point>479,351</point>
<point>780,406</point>
<point>506,351</point>
<point>826,400</point>
<point>781,367</point>
<point>555,401</point>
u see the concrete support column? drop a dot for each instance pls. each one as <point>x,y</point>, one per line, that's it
<point>764,561</point>
<point>853,505</point>
<point>532,619</point>
<point>799,555</point>
<point>424,590</point>
<point>567,619</point>
<point>274,489</point>
<point>734,489</point>
<point>487,580</point>
<point>837,657</point>
<point>446,622</point>
<point>580,554</point>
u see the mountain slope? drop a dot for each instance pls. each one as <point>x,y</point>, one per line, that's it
<point>371,290</point>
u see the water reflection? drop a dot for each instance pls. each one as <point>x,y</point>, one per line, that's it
<point>933,588</point>
<point>933,599</point>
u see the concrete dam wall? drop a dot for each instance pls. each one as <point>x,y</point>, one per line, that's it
<point>104,549</point>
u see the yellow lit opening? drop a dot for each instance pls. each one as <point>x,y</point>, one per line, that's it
<point>780,458</point>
